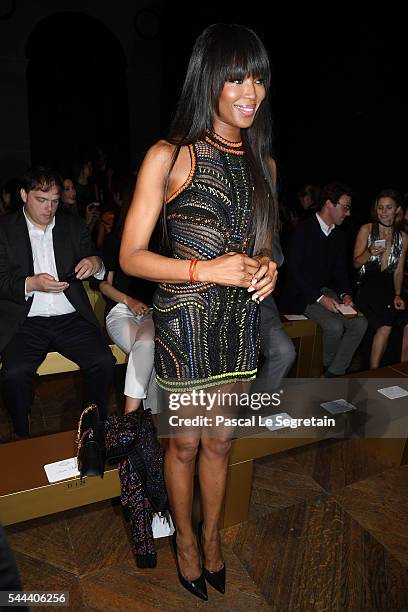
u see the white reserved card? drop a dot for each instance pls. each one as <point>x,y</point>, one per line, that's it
<point>60,470</point>
<point>337,406</point>
<point>295,317</point>
<point>393,392</point>
<point>275,421</point>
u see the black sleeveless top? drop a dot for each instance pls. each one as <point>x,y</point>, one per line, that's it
<point>208,334</point>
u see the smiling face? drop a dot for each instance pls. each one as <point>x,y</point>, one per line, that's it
<point>386,210</point>
<point>41,206</point>
<point>237,106</point>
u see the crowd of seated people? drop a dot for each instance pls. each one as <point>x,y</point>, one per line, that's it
<point>318,278</point>
<point>65,219</point>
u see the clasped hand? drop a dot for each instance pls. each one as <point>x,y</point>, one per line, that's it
<point>257,274</point>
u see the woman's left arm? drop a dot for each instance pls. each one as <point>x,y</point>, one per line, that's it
<point>399,303</point>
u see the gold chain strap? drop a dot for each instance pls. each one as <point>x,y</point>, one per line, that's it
<point>84,412</point>
<point>80,442</point>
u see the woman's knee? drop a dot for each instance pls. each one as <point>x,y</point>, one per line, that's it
<point>184,450</point>
<point>384,331</point>
<point>216,447</point>
<point>143,347</point>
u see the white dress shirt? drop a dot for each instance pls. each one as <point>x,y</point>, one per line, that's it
<point>326,229</point>
<point>47,304</point>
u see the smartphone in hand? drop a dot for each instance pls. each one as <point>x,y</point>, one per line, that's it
<point>379,244</point>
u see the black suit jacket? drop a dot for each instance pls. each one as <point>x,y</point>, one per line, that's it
<point>313,261</point>
<point>71,241</point>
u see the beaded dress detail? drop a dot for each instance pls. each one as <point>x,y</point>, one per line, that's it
<point>208,334</point>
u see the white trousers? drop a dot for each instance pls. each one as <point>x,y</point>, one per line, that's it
<point>134,334</point>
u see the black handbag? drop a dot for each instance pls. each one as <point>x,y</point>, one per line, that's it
<point>91,443</point>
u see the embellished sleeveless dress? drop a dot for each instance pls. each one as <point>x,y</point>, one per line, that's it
<point>375,295</point>
<point>208,334</point>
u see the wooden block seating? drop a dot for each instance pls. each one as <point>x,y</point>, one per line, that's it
<point>25,492</point>
<point>309,350</point>
<point>55,363</point>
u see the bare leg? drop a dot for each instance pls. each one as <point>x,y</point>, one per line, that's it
<point>379,345</point>
<point>404,351</point>
<point>212,470</point>
<point>179,474</point>
<point>213,466</point>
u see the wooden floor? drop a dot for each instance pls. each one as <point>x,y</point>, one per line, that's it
<point>328,531</point>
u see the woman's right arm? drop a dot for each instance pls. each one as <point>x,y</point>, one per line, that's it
<point>361,252</point>
<point>136,259</point>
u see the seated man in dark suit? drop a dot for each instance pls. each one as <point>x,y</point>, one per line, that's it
<point>39,311</point>
<point>317,279</point>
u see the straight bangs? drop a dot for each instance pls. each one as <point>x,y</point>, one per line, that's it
<point>236,56</point>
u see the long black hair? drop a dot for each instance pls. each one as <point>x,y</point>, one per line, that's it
<point>226,52</point>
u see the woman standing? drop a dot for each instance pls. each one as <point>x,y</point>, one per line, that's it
<point>379,255</point>
<point>215,177</point>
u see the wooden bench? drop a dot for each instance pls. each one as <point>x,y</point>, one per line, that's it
<point>55,363</point>
<point>309,347</point>
<point>25,492</point>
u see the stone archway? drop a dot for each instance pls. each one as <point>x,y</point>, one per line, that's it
<point>77,90</point>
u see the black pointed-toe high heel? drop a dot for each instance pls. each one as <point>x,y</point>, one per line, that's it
<point>197,586</point>
<point>215,579</point>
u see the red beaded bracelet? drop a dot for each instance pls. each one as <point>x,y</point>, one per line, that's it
<point>191,270</point>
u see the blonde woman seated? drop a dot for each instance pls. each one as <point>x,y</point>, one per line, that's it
<point>379,255</point>
<point>129,324</point>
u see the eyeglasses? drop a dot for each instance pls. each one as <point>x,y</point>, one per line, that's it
<point>345,207</point>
